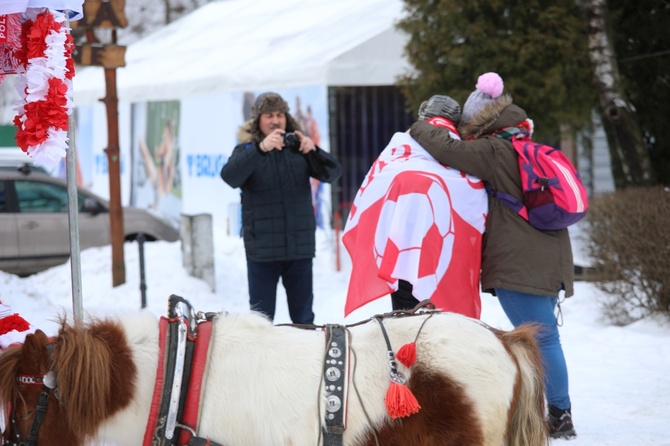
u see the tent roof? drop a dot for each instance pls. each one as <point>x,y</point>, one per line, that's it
<point>256,44</point>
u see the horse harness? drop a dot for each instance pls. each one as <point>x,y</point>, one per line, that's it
<point>48,383</point>
<point>336,382</point>
<point>182,362</point>
<point>336,369</point>
<point>181,365</point>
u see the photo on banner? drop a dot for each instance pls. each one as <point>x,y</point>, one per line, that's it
<point>155,176</point>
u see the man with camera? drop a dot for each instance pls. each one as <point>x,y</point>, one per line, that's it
<point>272,165</point>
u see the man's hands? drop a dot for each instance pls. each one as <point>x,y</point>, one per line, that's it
<point>306,143</point>
<point>275,141</point>
<point>317,162</point>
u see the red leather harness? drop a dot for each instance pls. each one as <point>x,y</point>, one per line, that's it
<point>190,368</point>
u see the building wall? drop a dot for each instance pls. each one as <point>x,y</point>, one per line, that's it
<point>594,160</point>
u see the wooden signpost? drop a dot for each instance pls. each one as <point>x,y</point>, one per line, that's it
<point>100,14</point>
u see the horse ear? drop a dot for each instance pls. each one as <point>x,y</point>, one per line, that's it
<point>35,358</point>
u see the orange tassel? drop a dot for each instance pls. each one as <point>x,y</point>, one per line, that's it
<point>407,354</point>
<point>400,401</point>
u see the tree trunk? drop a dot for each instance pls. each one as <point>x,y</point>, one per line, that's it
<point>568,144</point>
<point>168,10</point>
<point>623,132</point>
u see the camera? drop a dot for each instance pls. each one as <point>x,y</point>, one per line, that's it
<point>291,141</point>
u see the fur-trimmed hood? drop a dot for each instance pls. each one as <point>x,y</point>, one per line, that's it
<point>244,132</point>
<point>487,121</point>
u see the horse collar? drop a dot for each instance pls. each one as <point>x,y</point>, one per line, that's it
<point>48,379</point>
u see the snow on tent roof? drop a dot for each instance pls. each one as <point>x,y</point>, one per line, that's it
<point>257,44</point>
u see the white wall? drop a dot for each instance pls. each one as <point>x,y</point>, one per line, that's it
<point>207,137</point>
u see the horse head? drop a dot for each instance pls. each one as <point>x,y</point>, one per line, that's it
<point>29,394</point>
<point>59,391</point>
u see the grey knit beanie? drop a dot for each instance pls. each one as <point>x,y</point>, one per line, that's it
<point>440,105</point>
<point>489,88</point>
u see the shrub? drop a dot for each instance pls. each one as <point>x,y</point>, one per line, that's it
<point>629,242</point>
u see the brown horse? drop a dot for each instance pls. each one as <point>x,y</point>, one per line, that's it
<point>263,384</point>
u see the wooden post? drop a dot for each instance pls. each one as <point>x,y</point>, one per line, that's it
<point>108,14</point>
<point>114,163</point>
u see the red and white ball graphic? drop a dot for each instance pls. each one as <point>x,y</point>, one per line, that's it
<point>401,241</point>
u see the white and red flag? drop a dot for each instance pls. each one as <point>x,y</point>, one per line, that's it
<point>416,220</point>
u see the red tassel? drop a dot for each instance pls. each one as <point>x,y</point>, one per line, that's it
<point>407,354</point>
<point>400,401</point>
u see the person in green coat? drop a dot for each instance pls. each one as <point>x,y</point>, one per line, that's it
<point>524,267</point>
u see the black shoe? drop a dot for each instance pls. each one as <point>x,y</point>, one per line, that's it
<point>560,423</point>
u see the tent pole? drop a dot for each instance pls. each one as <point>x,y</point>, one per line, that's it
<point>73,218</point>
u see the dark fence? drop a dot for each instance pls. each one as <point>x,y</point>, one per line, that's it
<point>362,121</point>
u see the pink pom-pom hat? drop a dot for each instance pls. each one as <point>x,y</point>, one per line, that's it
<point>491,84</point>
<point>489,88</point>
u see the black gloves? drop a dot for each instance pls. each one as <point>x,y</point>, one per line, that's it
<point>440,105</point>
<point>317,163</point>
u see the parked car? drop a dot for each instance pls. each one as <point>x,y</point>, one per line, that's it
<point>12,159</point>
<point>34,224</point>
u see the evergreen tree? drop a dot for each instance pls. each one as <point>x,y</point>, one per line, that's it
<point>539,47</point>
<point>642,45</point>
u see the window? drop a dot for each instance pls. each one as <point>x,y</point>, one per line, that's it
<point>36,196</point>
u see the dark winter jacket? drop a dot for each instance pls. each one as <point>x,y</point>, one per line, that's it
<point>277,212</point>
<point>515,255</point>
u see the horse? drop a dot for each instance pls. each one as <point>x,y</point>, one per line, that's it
<point>263,383</point>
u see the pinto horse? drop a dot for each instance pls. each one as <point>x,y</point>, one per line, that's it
<point>263,384</point>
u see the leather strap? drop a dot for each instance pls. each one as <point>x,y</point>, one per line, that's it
<point>153,421</point>
<point>191,415</point>
<point>335,377</point>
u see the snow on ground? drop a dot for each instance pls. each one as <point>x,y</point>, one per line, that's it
<point>619,380</point>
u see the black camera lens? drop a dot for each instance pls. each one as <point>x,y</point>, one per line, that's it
<point>291,141</point>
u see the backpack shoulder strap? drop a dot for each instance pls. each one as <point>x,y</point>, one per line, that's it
<point>508,200</point>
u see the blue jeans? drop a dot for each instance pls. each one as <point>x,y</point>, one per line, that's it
<point>296,276</point>
<point>522,307</point>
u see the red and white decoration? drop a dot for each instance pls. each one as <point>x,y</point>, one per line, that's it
<point>417,220</point>
<point>35,43</point>
<point>13,328</point>
<point>46,87</point>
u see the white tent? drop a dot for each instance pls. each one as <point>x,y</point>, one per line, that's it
<point>238,45</point>
<point>201,68</point>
